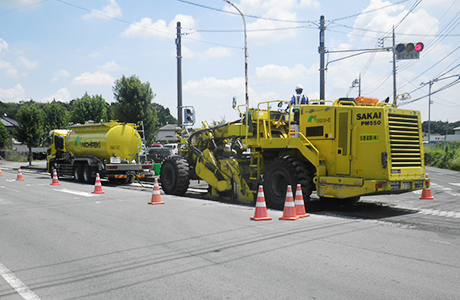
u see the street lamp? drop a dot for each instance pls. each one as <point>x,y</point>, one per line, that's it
<point>245,52</point>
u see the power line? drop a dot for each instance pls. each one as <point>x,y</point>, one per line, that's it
<point>246,15</point>
<point>445,87</point>
<point>369,11</point>
<point>22,7</point>
<point>254,30</point>
<point>142,26</point>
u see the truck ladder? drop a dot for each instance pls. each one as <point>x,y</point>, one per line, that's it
<point>140,129</point>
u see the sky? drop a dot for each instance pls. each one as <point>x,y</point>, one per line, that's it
<point>61,49</point>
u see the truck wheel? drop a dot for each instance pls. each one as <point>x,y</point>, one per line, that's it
<point>175,176</point>
<point>284,171</point>
<point>88,175</point>
<point>78,173</point>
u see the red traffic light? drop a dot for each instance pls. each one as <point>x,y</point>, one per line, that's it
<point>418,47</point>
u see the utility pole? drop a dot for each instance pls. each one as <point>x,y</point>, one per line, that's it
<point>321,51</point>
<point>179,75</point>
<point>430,83</point>
<point>359,89</point>
<point>394,67</point>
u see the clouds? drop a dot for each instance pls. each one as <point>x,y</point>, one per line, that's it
<point>96,78</point>
<point>146,28</point>
<point>268,28</point>
<point>62,95</point>
<point>272,71</point>
<point>12,62</point>
<point>383,20</point>
<point>60,74</point>
<point>111,10</point>
<point>15,94</point>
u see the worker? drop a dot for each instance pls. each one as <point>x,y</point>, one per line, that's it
<point>299,97</point>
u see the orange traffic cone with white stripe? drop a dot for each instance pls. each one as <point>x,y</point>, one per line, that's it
<point>426,193</point>
<point>156,197</point>
<point>98,185</point>
<point>299,203</point>
<point>261,208</point>
<point>289,207</point>
<point>1,172</point>
<point>20,178</point>
<point>55,178</point>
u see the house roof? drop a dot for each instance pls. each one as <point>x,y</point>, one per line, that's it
<point>8,122</point>
<point>168,127</point>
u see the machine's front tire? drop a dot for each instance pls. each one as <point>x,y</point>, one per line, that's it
<point>284,171</point>
<point>175,175</point>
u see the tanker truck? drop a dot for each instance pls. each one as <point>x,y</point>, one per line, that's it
<point>109,149</point>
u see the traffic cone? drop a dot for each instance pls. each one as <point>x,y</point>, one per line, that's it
<point>156,197</point>
<point>20,178</point>
<point>55,178</point>
<point>261,208</point>
<point>289,207</point>
<point>1,172</point>
<point>98,185</point>
<point>426,193</point>
<point>299,204</point>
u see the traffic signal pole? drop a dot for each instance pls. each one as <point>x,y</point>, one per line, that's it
<point>179,75</point>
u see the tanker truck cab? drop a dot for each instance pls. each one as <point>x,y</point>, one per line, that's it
<point>108,149</point>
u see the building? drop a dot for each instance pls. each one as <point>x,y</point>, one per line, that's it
<point>9,124</point>
<point>167,134</point>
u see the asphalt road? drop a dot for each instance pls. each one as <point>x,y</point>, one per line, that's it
<point>63,242</point>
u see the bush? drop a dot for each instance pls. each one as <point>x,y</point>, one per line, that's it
<point>443,155</point>
<point>12,155</point>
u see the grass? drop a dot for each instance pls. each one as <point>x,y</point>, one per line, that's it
<point>443,155</point>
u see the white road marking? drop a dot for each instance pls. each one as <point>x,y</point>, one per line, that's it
<point>455,183</point>
<point>17,284</point>
<point>441,213</point>
<point>84,194</point>
<point>446,190</point>
<point>441,242</point>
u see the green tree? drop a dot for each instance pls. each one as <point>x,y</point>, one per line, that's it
<point>133,103</point>
<point>88,108</point>
<point>4,136</point>
<point>30,129</point>
<point>10,109</point>
<point>164,115</point>
<point>56,116</point>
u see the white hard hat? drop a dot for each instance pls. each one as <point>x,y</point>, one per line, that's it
<point>299,87</point>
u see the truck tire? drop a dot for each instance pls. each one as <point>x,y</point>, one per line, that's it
<point>78,173</point>
<point>175,175</point>
<point>284,171</point>
<point>88,174</point>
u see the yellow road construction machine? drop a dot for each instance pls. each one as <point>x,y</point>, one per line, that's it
<point>339,149</point>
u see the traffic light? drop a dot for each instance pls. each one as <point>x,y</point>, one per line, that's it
<point>408,50</point>
<point>189,115</point>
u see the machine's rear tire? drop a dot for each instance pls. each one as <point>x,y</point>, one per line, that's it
<point>175,175</point>
<point>284,171</point>
<point>88,175</point>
